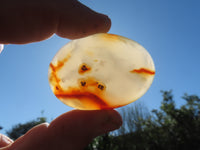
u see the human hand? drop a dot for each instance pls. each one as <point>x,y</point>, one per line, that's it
<point>23,21</point>
<point>70,131</point>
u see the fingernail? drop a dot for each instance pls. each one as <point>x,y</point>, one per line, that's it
<point>112,120</point>
<point>45,124</point>
<point>1,48</point>
<point>5,140</point>
<point>102,23</point>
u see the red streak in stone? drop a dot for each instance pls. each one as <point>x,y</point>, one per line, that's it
<point>84,97</point>
<point>143,71</point>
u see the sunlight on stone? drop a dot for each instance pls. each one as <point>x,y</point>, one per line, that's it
<point>101,71</point>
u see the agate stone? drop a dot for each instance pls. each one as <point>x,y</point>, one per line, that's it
<point>101,71</point>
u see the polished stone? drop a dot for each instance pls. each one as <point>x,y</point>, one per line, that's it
<point>101,71</point>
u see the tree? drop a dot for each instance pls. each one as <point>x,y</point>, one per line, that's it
<point>103,142</point>
<point>172,127</point>
<point>20,129</point>
<point>133,117</point>
<point>167,128</point>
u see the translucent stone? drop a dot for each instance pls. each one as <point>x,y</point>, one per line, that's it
<point>101,71</point>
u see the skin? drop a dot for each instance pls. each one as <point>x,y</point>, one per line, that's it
<point>24,21</point>
<point>70,131</point>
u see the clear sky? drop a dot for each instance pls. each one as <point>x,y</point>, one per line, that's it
<point>169,30</point>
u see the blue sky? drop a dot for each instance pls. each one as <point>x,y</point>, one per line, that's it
<point>169,30</point>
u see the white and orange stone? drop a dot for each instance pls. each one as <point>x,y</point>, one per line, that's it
<point>101,71</point>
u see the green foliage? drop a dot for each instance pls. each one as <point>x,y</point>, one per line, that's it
<point>103,142</point>
<point>20,129</point>
<point>169,128</point>
<point>175,128</point>
<point>133,118</point>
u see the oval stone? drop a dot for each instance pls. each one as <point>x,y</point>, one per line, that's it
<point>101,71</point>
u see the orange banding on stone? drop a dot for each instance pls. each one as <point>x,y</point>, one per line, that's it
<point>94,72</point>
<point>143,71</point>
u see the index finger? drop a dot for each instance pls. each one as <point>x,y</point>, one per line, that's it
<point>25,21</point>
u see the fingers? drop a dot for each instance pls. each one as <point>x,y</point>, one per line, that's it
<point>25,21</point>
<point>4,141</point>
<point>36,138</point>
<point>81,22</point>
<point>78,128</point>
<point>71,131</point>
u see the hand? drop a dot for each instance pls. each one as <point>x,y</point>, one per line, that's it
<point>70,131</point>
<point>25,21</point>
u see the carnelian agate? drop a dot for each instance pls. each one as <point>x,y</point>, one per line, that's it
<point>143,71</point>
<point>102,71</point>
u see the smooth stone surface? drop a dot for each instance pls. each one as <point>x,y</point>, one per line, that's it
<point>101,71</point>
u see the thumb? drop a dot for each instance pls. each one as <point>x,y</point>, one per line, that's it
<point>79,127</point>
<point>72,131</point>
